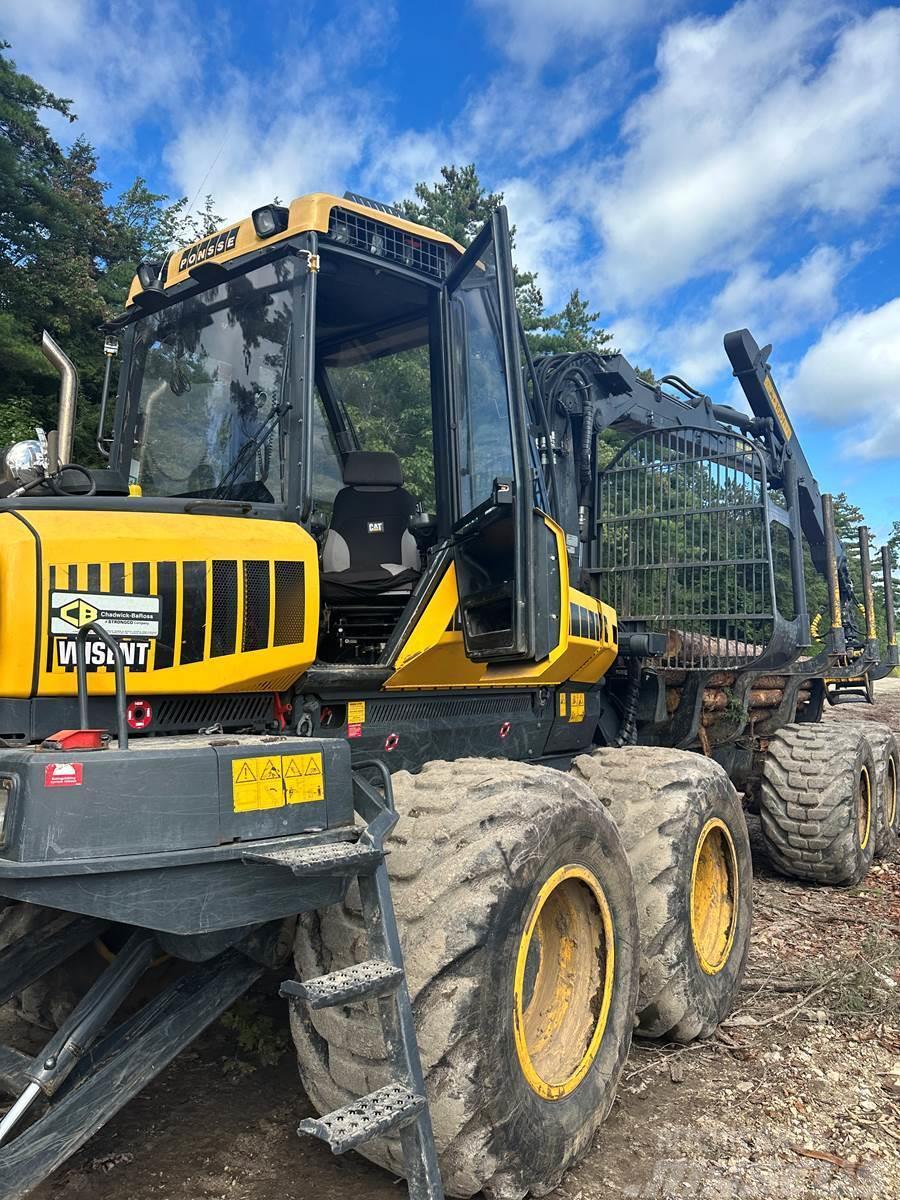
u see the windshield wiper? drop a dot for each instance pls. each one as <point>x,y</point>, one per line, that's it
<point>249,448</point>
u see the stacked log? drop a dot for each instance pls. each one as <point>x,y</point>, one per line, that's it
<point>766,694</point>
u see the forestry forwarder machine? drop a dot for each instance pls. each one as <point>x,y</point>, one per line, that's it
<point>235,657</point>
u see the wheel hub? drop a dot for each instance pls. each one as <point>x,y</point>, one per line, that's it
<point>564,981</point>
<point>714,896</point>
<point>864,808</point>
<point>890,796</point>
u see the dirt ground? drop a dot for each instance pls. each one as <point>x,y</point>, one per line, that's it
<point>797,1096</point>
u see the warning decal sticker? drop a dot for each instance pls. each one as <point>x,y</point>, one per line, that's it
<point>64,774</point>
<point>277,780</point>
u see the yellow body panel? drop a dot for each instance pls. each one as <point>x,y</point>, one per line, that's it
<point>778,407</point>
<point>434,655</point>
<point>307,214</point>
<point>80,550</point>
<point>19,601</point>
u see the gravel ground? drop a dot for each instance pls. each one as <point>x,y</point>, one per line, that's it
<point>797,1096</point>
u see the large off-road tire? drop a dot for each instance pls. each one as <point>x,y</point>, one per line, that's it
<point>516,912</point>
<point>886,749</point>
<point>683,829</point>
<point>886,752</point>
<point>817,802</point>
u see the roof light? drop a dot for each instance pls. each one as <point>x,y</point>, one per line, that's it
<point>148,273</point>
<point>269,220</point>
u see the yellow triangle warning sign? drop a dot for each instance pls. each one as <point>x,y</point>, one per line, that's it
<point>272,769</point>
<point>291,770</point>
<point>246,773</point>
<point>315,765</point>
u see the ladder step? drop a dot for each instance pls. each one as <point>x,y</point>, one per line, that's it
<point>369,1117</point>
<point>332,858</point>
<point>372,978</point>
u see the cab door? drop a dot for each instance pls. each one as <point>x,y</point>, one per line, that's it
<point>505,553</point>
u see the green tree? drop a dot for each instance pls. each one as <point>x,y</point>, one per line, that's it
<point>67,258</point>
<point>458,205</point>
<point>573,328</point>
<point>848,517</point>
<point>53,240</point>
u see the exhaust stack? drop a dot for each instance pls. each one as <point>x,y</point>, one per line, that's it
<point>68,395</point>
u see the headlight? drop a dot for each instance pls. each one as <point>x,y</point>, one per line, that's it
<point>270,219</point>
<point>24,462</point>
<point>6,787</point>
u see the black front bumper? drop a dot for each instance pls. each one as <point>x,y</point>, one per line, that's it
<point>155,836</point>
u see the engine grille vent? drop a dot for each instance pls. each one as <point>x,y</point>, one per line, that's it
<point>386,241</point>
<point>189,713</point>
<point>387,711</point>
<point>200,600</point>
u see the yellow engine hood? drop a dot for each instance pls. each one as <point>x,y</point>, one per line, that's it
<point>197,603</point>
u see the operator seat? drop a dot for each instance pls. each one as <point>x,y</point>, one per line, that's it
<point>369,550</point>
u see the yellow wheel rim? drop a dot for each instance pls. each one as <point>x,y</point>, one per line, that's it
<point>714,896</point>
<point>864,808</point>
<point>890,794</point>
<point>564,982</point>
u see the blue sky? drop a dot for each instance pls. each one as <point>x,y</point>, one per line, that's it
<point>691,167</point>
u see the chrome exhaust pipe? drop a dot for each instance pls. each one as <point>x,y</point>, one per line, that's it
<point>68,395</point>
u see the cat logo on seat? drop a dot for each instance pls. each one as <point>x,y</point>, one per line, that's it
<point>78,613</point>
<point>376,527</point>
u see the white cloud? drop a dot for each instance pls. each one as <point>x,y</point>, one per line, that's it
<point>292,128</point>
<point>773,307</point>
<point>532,121</point>
<point>394,166</point>
<point>759,117</point>
<point>534,32</point>
<point>119,64</point>
<point>547,237</point>
<point>244,152</point>
<point>850,378</point>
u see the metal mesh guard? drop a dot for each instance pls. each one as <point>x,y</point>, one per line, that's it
<point>683,545</point>
<point>387,241</point>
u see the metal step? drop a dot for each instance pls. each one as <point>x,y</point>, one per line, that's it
<point>365,979</point>
<point>369,1117</point>
<point>335,858</point>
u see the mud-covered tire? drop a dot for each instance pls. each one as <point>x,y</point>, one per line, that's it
<point>817,802</point>
<point>886,752</point>
<point>666,805</point>
<point>478,844</point>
